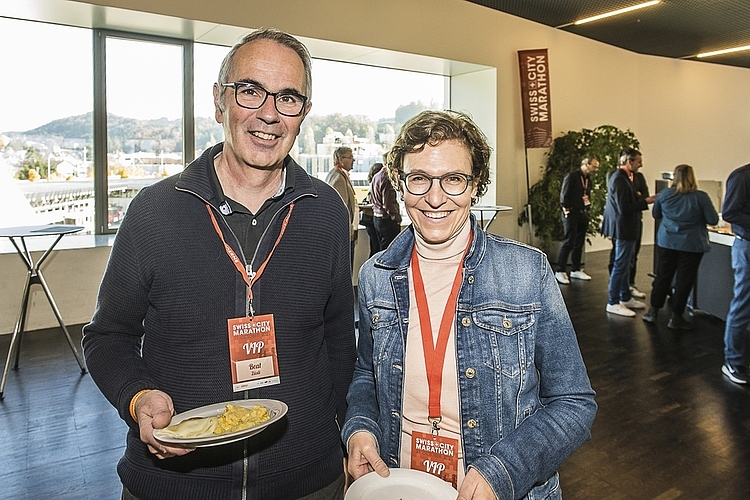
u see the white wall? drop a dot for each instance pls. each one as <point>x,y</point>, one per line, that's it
<point>73,277</point>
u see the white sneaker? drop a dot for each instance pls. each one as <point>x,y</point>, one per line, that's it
<point>620,310</point>
<point>634,304</point>
<point>580,275</point>
<point>562,278</point>
<point>636,293</point>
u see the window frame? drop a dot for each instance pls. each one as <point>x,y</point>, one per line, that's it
<point>101,185</point>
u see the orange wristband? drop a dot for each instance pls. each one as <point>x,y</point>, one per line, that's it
<point>134,400</point>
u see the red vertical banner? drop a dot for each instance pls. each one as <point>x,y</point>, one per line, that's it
<point>535,98</point>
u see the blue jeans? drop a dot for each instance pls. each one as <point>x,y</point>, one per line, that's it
<point>739,309</point>
<point>619,279</point>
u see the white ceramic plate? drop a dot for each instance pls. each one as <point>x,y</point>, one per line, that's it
<point>276,409</point>
<point>402,484</point>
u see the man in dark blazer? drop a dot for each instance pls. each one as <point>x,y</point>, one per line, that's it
<point>641,188</point>
<point>622,223</point>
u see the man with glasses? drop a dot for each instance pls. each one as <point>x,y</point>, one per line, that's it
<point>223,285</point>
<point>385,209</point>
<point>338,177</point>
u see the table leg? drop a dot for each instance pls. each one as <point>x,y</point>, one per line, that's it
<point>21,321</point>
<point>33,276</point>
<point>15,341</point>
<point>60,320</point>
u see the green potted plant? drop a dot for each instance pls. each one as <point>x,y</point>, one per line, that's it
<point>605,142</point>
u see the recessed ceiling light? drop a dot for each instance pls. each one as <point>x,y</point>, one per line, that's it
<point>723,51</point>
<point>612,13</point>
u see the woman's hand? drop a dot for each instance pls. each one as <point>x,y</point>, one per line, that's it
<point>364,457</point>
<point>474,487</point>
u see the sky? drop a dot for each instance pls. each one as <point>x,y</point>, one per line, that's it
<point>50,72</point>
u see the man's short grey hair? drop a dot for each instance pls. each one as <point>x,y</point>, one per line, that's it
<point>339,152</point>
<point>628,154</point>
<point>587,160</point>
<point>274,35</point>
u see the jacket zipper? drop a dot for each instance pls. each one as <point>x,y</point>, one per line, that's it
<point>245,454</point>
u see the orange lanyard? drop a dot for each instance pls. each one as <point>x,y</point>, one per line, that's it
<point>251,278</point>
<point>434,354</point>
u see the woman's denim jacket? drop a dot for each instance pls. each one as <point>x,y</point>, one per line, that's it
<point>525,399</point>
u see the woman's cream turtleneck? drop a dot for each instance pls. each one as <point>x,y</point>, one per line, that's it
<point>438,264</point>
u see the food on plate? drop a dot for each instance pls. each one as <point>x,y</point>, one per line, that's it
<point>233,419</point>
<point>191,428</point>
<point>238,418</point>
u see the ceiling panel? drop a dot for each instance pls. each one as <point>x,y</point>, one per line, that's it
<point>671,28</point>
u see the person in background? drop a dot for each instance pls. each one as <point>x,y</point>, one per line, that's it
<point>242,236</point>
<point>641,189</point>
<point>366,215</point>
<point>504,388</point>
<point>681,241</point>
<point>575,201</point>
<point>338,177</point>
<point>622,223</point>
<point>385,209</point>
<point>736,211</point>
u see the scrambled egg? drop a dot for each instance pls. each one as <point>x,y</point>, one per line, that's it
<point>232,419</point>
<point>237,418</point>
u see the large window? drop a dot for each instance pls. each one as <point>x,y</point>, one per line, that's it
<point>362,107</point>
<point>46,128</point>
<point>76,149</point>
<point>207,62</point>
<point>142,111</point>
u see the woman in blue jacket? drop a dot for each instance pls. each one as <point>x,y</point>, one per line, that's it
<point>681,241</point>
<point>502,398</point>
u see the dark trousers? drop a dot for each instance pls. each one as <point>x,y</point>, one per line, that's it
<point>682,267</point>
<point>369,223</point>
<point>387,230</point>
<point>576,224</point>
<point>334,491</point>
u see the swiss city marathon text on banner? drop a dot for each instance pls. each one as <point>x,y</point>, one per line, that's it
<point>535,98</point>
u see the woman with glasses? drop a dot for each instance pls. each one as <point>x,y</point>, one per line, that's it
<point>468,365</point>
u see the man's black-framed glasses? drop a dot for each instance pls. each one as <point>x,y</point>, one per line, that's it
<point>253,96</point>
<point>452,183</point>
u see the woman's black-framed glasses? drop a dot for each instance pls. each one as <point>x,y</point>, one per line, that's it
<point>253,96</point>
<point>452,183</point>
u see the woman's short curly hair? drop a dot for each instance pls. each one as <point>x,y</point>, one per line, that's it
<point>434,127</point>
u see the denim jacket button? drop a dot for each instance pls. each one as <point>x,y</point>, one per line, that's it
<point>470,373</point>
<point>471,424</point>
<point>375,318</point>
<point>470,279</point>
<point>465,321</point>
